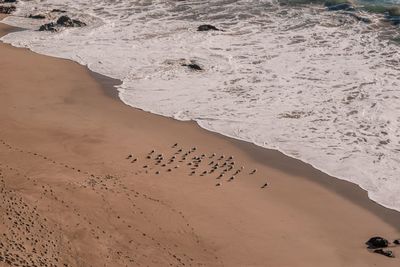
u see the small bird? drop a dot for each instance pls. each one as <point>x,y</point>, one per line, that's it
<point>145,166</point>
<point>205,172</point>
<point>254,171</point>
<point>177,166</point>
<point>265,185</point>
<point>218,184</point>
<point>169,170</point>
<point>133,161</point>
<point>175,145</point>
<point>211,163</point>
<point>231,179</point>
<point>129,156</point>
<point>157,172</point>
<point>151,152</point>
<point>193,172</point>
<point>148,157</point>
<point>213,155</point>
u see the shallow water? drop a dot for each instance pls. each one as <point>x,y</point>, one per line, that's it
<point>319,86</point>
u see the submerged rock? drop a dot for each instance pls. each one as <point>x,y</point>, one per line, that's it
<point>39,16</point>
<point>50,27</point>
<point>387,253</point>
<point>58,11</point>
<point>7,9</point>
<point>343,6</point>
<point>193,66</point>
<point>66,21</point>
<point>359,18</point>
<point>377,242</point>
<point>207,27</point>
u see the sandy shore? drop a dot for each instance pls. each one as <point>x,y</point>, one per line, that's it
<point>78,189</point>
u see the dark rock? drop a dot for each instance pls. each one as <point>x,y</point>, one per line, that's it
<point>66,21</point>
<point>193,66</point>
<point>50,27</point>
<point>341,6</point>
<point>78,23</point>
<point>397,242</point>
<point>377,242</point>
<point>387,253</point>
<point>39,16</point>
<point>7,9</point>
<point>207,27</point>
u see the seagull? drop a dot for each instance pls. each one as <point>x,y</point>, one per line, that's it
<point>231,179</point>
<point>175,145</point>
<point>129,156</point>
<point>254,171</point>
<point>133,161</point>
<point>265,185</point>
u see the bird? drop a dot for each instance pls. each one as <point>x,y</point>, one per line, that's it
<point>231,179</point>
<point>254,171</point>
<point>148,157</point>
<point>133,161</point>
<point>129,156</point>
<point>145,166</point>
<point>265,185</point>
<point>213,155</point>
<point>169,170</point>
<point>157,172</point>
<point>218,184</point>
<point>175,145</point>
<point>151,152</point>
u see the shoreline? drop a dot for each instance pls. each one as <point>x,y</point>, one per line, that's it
<point>109,88</point>
<point>348,200</point>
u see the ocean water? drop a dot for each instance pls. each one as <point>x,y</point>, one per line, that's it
<point>317,85</point>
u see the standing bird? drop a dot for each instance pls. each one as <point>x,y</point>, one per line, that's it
<point>175,145</point>
<point>254,171</point>
<point>129,156</point>
<point>264,186</point>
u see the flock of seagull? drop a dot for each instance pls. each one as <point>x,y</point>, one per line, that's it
<point>201,165</point>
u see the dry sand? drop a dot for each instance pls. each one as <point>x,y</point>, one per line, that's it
<point>71,194</point>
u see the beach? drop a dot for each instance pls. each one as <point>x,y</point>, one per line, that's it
<point>83,184</point>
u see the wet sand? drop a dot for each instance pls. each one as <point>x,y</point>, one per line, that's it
<point>80,185</point>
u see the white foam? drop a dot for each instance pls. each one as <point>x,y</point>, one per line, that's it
<point>315,85</point>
